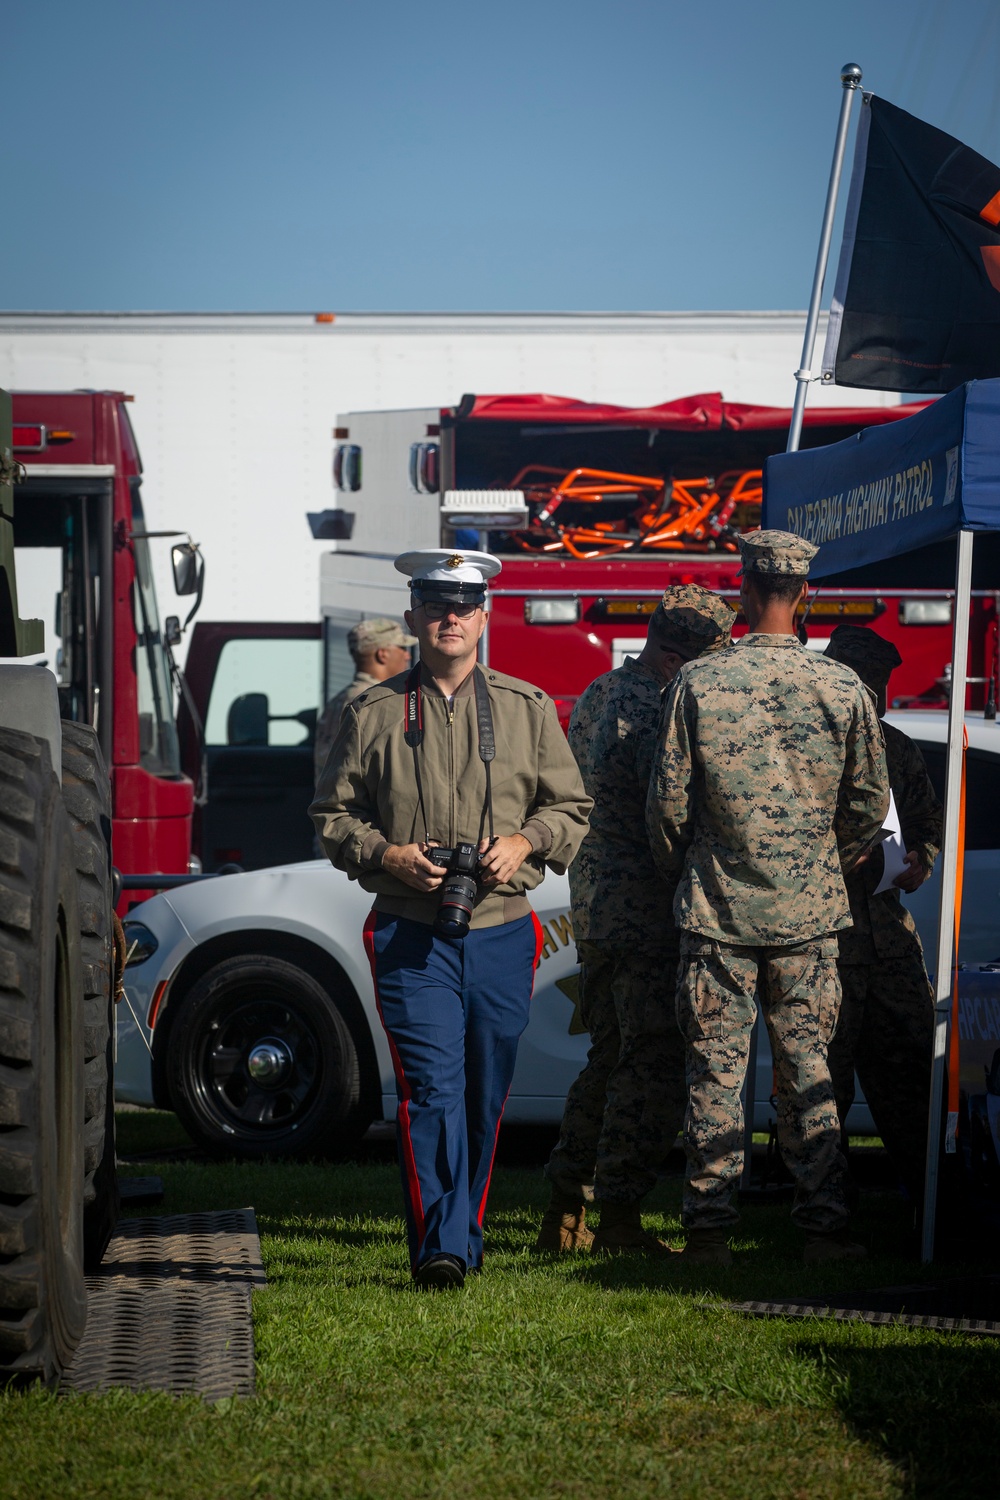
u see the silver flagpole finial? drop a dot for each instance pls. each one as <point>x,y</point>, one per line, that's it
<point>850,75</point>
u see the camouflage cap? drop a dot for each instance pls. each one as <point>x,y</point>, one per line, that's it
<point>692,620</point>
<point>871,655</point>
<point>776,552</point>
<point>369,635</point>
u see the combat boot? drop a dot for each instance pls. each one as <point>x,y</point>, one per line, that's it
<point>835,1246</point>
<point>564,1227</point>
<point>707,1247</point>
<point>620,1232</point>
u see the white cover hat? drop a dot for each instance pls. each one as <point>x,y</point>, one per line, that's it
<point>436,565</point>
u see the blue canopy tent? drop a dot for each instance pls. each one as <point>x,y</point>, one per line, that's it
<point>883,492</point>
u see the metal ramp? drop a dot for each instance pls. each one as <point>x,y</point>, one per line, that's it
<point>169,1309</point>
<point>958,1305</point>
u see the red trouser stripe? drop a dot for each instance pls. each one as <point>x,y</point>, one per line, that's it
<point>539,945</point>
<point>403,1111</point>
<point>489,1175</point>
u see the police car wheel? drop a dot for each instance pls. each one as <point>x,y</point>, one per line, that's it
<point>261,1063</point>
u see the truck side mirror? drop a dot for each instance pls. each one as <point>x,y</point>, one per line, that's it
<point>307,718</point>
<point>247,720</point>
<point>186,562</point>
<point>172,630</point>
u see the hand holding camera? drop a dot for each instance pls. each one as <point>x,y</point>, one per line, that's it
<point>502,857</point>
<point>410,864</point>
<point>423,866</point>
<point>468,867</point>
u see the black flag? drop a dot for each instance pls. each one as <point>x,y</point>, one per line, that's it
<point>917,302</point>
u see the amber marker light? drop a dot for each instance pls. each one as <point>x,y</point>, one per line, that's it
<point>156,1002</point>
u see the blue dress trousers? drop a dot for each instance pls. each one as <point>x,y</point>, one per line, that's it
<point>453,1010</point>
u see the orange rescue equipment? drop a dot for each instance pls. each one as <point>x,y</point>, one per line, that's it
<point>650,512</point>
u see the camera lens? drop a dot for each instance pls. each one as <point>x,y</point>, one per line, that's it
<point>458,896</point>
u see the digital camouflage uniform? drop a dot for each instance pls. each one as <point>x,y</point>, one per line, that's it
<point>329,719</point>
<point>624,1111</point>
<point>769,774</point>
<point>886,1027</point>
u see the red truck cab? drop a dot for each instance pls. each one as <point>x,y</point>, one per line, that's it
<point>79,528</point>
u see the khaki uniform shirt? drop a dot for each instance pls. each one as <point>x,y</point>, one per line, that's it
<point>883,927</point>
<point>616,892</point>
<point>367,796</point>
<point>329,720</point>
<point>769,773</point>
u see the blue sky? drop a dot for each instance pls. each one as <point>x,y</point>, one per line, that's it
<point>541,154</point>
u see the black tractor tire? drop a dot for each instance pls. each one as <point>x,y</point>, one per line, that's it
<point>261,1063</point>
<point>43,1308</point>
<point>87,799</point>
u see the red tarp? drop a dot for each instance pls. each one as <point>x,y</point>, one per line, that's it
<point>689,414</point>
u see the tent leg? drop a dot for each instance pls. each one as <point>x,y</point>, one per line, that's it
<point>850,79</point>
<point>949,873</point>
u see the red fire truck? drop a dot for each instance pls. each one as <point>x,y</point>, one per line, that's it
<point>594,510</point>
<point>80,534</point>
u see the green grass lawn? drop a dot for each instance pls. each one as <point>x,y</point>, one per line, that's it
<point>568,1378</point>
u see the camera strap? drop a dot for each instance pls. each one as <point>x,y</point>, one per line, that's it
<point>413,734</point>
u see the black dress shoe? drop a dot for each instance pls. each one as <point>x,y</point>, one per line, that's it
<point>440,1271</point>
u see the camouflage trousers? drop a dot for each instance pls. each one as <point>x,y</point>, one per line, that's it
<point>799,997</point>
<point>886,1035</point>
<point>624,1111</point>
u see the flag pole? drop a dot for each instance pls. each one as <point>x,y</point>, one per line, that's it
<point>944,963</point>
<point>850,78</point>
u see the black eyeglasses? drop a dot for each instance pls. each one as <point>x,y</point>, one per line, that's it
<point>436,609</point>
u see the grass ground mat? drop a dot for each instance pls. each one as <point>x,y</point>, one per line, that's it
<point>169,1307</point>
<point>566,1377</point>
<point>967,1304</point>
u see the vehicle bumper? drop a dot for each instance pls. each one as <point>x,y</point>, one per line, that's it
<point>134,1064</point>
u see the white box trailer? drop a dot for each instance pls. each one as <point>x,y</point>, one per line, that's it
<point>234,412</point>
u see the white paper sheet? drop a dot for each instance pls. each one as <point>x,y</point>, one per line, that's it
<point>893,849</point>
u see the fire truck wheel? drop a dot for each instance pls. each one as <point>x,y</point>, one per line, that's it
<point>261,1062</point>
<point>87,799</point>
<point>43,1305</point>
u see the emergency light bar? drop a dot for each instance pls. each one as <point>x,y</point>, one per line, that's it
<point>624,609</point>
<point>925,611</point>
<point>347,467</point>
<point>425,468</point>
<point>485,509</point>
<point>551,611</point>
<point>836,610</point>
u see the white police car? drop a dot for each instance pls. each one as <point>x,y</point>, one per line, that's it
<point>251,1013</point>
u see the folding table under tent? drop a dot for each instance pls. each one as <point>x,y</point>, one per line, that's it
<point>886,491</point>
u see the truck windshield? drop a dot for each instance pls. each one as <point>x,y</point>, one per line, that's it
<point>159,751</point>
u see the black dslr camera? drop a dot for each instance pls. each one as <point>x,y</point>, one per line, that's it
<point>458,890</point>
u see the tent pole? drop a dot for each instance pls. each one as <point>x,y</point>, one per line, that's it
<point>949,874</point>
<point>850,78</point>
